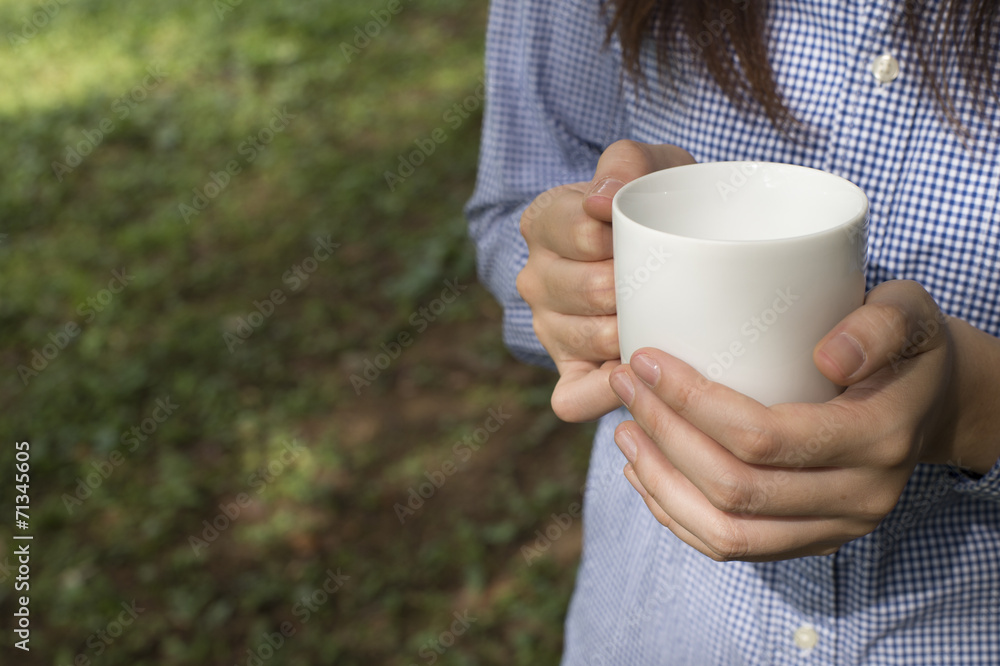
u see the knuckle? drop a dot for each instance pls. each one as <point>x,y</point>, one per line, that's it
<point>733,493</point>
<point>591,239</point>
<point>565,406</point>
<point>686,397</point>
<point>528,218</point>
<point>824,549</point>
<point>599,291</point>
<point>627,150</point>
<point>539,213</point>
<point>606,340</point>
<point>577,338</point>
<point>857,528</point>
<point>544,333</point>
<point>525,284</point>
<point>869,514</point>
<point>896,456</point>
<point>756,444</point>
<point>878,505</point>
<point>894,321</point>
<point>661,427</point>
<point>663,520</point>
<point>560,407</point>
<point>728,541</point>
<point>894,452</point>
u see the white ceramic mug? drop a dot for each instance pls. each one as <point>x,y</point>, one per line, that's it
<point>739,269</point>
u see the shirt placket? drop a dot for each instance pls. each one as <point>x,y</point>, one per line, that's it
<point>875,116</point>
<point>873,122</point>
<point>801,629</point>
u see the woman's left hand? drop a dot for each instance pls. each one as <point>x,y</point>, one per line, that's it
<point>740,481</point>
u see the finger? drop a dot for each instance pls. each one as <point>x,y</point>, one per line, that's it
<point>733,486</point>
<point>623,162</point>
<point>678,505</point>
<point>568,287</point>
<point>663,518</point>
<point>793,435</point>
<point>692,540</point>
<point>582,392</point>
<point>557,222</point>
<point>573,338</point>
<point>898,321</point>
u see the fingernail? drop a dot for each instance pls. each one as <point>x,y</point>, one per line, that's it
<point>846,353</point>
<point>625,442</point>
<point>606,188</point>
<point>645,369</point>
<point>622,386</point>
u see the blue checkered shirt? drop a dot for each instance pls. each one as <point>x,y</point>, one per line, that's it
<point>924,587</point>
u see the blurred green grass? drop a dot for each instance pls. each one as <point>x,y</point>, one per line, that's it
<point>94,411</point>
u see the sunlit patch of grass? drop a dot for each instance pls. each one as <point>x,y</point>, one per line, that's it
<point>332,506</point>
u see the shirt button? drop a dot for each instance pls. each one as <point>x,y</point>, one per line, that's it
<point>885,68</point>
<point>806,637</point>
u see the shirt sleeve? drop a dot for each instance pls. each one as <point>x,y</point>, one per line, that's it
<point>553,104</point>
<point>986,487</point>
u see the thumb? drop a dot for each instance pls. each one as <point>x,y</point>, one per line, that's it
<point>623,162</point>
<point>898,321</point>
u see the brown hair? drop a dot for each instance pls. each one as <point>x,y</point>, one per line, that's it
<point>736,55</point>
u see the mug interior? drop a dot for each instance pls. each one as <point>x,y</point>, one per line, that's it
<point>741,201</point>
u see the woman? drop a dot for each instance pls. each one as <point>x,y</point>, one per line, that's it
<point>714,547</point>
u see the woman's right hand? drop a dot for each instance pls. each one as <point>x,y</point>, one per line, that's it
<point>569,280</point>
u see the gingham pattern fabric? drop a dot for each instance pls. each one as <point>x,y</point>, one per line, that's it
<point>924,588</point>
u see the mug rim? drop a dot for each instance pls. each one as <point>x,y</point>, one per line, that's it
<point>861,216</point>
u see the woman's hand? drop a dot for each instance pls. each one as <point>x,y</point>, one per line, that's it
<point>569,279</point>
<point>740,481</point>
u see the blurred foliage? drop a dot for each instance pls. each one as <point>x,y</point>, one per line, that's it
<point>200,449</point>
